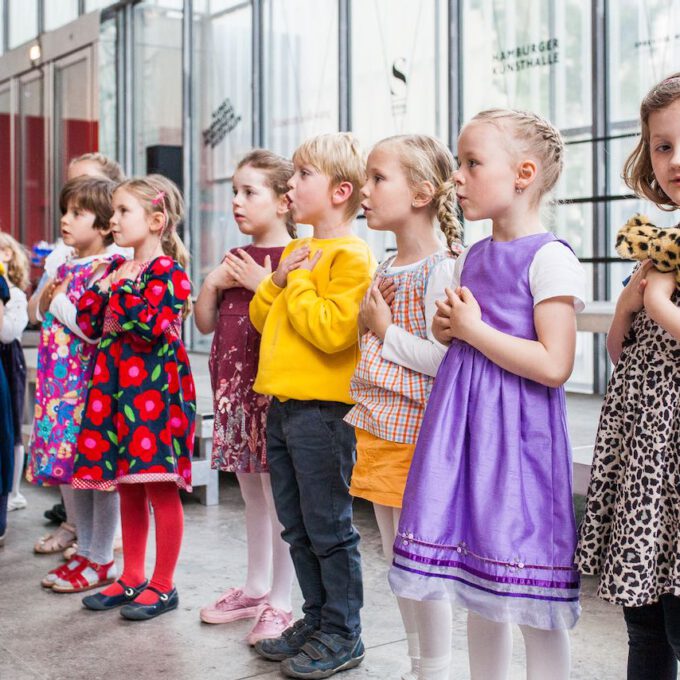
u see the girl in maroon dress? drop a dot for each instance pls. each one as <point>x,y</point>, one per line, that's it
<point>239,442</point>
<point>137,432</point>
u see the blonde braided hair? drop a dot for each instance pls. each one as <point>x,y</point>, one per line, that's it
<point>426,159</point>
<point>538,137</point>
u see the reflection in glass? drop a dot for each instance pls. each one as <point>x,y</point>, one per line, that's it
<point>108,88</point>
<point>59,13</point>
<point>300,71</point>
<point>6,186</point>
<point>23,21</point>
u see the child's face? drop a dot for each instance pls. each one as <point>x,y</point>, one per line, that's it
<point>131,226</point>
<point>485,179</point>
<point>664,145</point>
<point>77,228</point>
<point>256,207</point>
<point>5,255</point>
<point>387,196</point>
<point>309,197</point>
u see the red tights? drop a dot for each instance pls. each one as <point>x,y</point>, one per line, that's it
<point>169,520</point>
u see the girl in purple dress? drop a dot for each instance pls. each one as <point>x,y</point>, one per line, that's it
<point>487,519</point>
<point>239,442</point>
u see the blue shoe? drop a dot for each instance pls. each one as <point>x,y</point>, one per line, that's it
<point>288,644</point>
<point>323,655</point>
<point>100,602</point>
<point>142,612</point>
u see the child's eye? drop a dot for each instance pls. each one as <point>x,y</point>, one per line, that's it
<point>378,178</point>
<point>662,148</point>
<point>249,192</point>
<point>472,163</point>
<point>303,173</point>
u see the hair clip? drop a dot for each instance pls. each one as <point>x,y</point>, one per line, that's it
<point>159,198</point>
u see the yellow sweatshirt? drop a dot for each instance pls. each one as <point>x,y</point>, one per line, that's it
<point>309,345</point>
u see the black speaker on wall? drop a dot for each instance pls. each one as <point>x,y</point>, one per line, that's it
<point>166,159</point>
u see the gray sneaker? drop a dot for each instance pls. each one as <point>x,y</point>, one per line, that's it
<point>288,644</point>
<point>325,654</point>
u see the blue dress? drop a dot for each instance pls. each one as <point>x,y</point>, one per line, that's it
<point>6,425</point>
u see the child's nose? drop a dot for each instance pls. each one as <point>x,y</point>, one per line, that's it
<point>364,190</point>
<point>457,177</point>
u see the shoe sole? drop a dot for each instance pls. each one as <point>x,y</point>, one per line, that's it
<point>275,657</point>
<point>207,617</point>
<point>319,675</point>
<point>99,584</point>
<point>148,618</point>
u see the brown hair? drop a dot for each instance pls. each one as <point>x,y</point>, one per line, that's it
<point>338,156</point>
<point>278,171</point>
<point>158,194</point>
<point>538,137</point>
<point>109,167</point>
<point>94,195</point>
<point>426,159</point>
<point>637,170</point>
<point>17,267</point>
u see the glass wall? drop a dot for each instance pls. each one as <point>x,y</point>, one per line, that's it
<point>59,13</point>
<point>6,169</point>
<point>23,21</point>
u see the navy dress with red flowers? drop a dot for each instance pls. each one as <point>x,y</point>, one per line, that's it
<point>140,412</point>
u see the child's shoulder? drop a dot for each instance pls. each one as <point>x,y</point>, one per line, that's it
<point>163,266</point>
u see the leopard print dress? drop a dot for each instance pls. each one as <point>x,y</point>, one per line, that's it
<point>630,534</point>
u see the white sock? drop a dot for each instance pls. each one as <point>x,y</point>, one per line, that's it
<point>489,648</point>
<point>258,535</point>
<point>548,653</point>
<point>435,667</point>
<point>283,571</point>
<point>18,470</point>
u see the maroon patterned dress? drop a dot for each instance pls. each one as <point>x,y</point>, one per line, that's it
<point>239,438</point>
<point>140,413</point>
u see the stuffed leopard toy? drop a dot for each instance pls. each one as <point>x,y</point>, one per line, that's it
<point>639,239</point>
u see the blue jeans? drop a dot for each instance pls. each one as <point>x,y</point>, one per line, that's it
<point>653,639</point>
<point>311,453</point>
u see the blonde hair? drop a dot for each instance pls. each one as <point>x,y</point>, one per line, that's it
<point>338,156</point>
<point>278,171</point>
<point>17,267</point>
<point>637,170</point>
<point>537,137</point>
<point>109,167</point>
<point>158,194</point>
<point>426,159</point>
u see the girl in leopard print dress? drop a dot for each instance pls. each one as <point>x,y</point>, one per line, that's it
<point>630,534</point>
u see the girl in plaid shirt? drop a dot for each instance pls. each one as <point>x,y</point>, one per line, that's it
<point>408,189</point>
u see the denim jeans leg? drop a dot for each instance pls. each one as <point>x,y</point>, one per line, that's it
<point>650,657</point>
<point>322,446</point>
<point>287,502</point>
<point>671,613</point>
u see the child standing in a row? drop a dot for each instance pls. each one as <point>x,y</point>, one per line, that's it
<point>138,430</point>
<point>14,258</point>
<point>307,313</point>
<point>408,187</point>
<point>488,518</point>
<point>239,441</point>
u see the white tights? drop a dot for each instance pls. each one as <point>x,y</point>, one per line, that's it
<point>490,649</point>
<point>269,562</point>
<point>18,470</point>
<point>427,623</point>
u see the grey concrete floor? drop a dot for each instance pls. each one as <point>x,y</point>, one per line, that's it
<point>48,636</point>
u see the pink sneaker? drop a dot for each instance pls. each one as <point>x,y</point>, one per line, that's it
<point>232,605</point>
<point>270,623</point>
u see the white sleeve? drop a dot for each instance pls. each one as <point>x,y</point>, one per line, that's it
<point>556,272</point>
<point>65,312</point>
<point>16,316</point>
<point>458,269</point>
<point>421,354</point>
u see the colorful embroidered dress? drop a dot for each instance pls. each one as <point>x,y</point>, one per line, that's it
<point>64,368</point>
<point>390,399</point>
<point>141,407</point>
<point>239,441</point>
<point>487,517</point>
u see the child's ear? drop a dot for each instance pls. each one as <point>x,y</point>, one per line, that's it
<point>282,206</point>
<point>424,195</point>
<point>157,221</point>
<point>341,193</point>
<point>526,174</point>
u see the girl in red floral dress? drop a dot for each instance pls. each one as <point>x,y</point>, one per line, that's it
<point>239,441</point>
<point>138,429</point>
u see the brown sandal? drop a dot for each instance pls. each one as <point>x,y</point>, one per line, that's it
<point>62,538</point>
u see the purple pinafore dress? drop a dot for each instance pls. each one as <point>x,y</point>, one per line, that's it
<point>487,518</point>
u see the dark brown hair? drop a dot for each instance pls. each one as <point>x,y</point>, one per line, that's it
<point>94,195</point>
<point>278,171</point>
<point>637,170</point>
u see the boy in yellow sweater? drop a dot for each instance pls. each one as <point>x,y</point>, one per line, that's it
<point>307,313</point>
